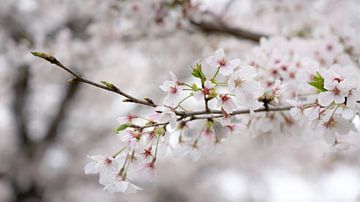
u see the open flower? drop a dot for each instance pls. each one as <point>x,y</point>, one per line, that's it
<point>336,125</point>
<point>119,183</point>
<point>218,60</point>
<point>337,88</point>
<point>173,89</point>
<point>104,165</point>
<point>226,103</point>
<point>246,88</point>
<point>166,115</point>
<point>208,86</point>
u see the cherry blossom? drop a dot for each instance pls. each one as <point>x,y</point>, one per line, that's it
<point>218,60</point>
<point>208,87</point>
<point>166,115</point>
<point>173,89</point>
<point>226,103</point>
<point>245,87</point>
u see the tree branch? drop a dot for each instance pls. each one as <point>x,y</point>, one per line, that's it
<point>104,85</point>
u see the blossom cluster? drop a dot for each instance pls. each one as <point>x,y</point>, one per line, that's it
<point>279,87</point>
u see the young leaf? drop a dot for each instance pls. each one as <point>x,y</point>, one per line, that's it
<point>122,127</point>
<point>318,82</point>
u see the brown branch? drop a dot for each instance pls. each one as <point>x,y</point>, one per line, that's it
<point>104,85</point>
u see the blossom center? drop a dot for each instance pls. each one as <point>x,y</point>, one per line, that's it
<point>173,90</point>
<point>336,91</point>
<point>238,82</point>
<point>222,62</point>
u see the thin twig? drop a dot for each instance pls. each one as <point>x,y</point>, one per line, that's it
<point>105,85</point>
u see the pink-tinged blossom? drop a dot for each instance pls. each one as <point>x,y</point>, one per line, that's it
<point>218,60</point>
<point>247,90</point>
<point>119,184</point>
<point>337,88</point>
<point>173,89</point>
<point>148,169</point>
<point>131,138</point>
<point>166,115</point>
<point>104,165</point>
<point>336,126</point>
<point>126,119</point>
<point>226,103</point>
<point>208,86</point>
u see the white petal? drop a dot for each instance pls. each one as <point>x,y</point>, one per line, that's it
<point>219,54</point>
<point>173,76</point>
<point>199,95</point>
<point>90,168</point>
<point>195,154</point>
<point>226,70</point>
<point>329,137</point>
<point>325,98</point>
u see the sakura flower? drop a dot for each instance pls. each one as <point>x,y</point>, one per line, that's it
<point>208,86</point>
<point>166,115</point>
<point>119,184</point>
<point>173,90</point>
<point>148,169</point>
<point>336,125</point>
<point>226,103</point>
<point>131,138</point>
<point>104,165</point>
<point>218,60</point>
<point>337,88</point>
<point>246,89</point>
<point>126,119</point>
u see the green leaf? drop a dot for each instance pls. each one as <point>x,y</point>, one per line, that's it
<point>122,127</point>
<point>318,82</point>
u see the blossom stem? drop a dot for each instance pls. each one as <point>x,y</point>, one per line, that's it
<point>119,152</point>
<point>157,145</point>
<point>183,101</point>
<point>216,73</point>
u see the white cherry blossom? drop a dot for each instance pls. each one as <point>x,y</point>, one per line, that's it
<point>226,103</point>
<point>166,115</point>
<point>173,89</point>
<point>199,95</point>
<point>218,60</point>
<point>246,88</point>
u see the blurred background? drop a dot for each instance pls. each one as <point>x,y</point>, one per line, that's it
<point>48,126</point>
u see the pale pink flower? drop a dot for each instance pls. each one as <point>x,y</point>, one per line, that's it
<point>218,60</point>
<point>199,95</point>
<point>226,103</point>
<point>173,89</point>
<point>247,90</point>
<point>166,115</point>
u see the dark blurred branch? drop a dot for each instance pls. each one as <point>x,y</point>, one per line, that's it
<point>20,99</point>
<point>60,114</point>
<point>222,28</point>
